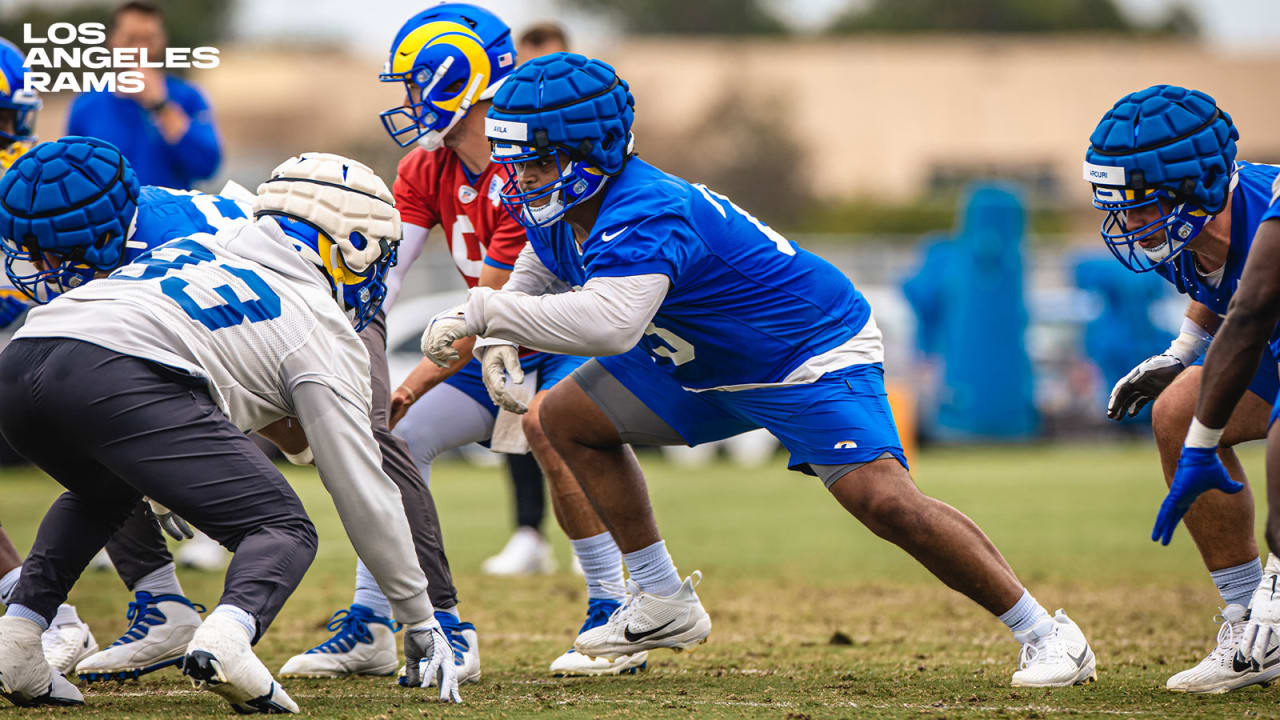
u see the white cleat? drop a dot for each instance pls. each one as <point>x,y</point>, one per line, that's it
<point>364,643</point>
<point>202,553</point>
<point>526,553</point>
<point>26,679</point>
<point>1054,653</point>
<point>219,659</point>
<point>647,622</point>
<point>574,664</point>
<point>162,626</point>
<point>1222,671</point>
<point>66,644</point>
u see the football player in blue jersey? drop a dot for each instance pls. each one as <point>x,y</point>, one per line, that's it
<point>1237,353</point>
<point>713,324</point>
<point>1177,203</point>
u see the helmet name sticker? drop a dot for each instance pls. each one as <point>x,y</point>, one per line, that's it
<point>506,129</point>
<point>1104,175</point>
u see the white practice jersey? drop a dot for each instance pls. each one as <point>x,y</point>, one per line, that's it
<point>240,309</point>
<point>245,312</point>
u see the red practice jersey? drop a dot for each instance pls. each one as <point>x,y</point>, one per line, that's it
<point>432,188</point>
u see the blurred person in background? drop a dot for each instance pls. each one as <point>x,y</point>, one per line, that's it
<point>1189,213</point>
<point>166,130</point>
<point>528,552</point>
<point>542,38</point>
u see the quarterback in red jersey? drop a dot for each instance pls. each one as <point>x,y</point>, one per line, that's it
<point>451,59</point>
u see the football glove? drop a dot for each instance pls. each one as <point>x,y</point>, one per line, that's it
<point>1264,616</point>
<point>1199,470</point>
<point>1143,384</point>
<point>427,655</point>
<point>174,526</point>
<point>497,360</point>
<point>445,328</point>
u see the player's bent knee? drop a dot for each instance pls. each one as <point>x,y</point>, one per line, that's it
<point>882,496</point>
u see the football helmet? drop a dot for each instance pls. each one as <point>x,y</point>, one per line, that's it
<point>15,96</point>
<point>568,109</point>
<point>1164,147</point>
<point>67,209</point>
<point>448,57</point>
<point>342,218</point>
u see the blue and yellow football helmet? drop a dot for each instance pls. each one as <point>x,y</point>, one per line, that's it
<point>448,57</point>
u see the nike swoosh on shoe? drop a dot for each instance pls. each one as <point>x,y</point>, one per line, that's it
<point>632,637</point>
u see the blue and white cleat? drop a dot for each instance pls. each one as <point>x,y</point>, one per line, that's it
<point>363,643</point>
<point>157,638</point>
<point>219,659</point>
<point>574,663</point>
<point>466,649</point>
<point>26,679</point>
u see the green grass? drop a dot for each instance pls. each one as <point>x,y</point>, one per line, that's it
<point>814,617</point>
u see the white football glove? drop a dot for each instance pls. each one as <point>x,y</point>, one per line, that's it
<point>1143,384</point>
<point>451,325</point>
<point>428,655</point>
<point>176,527</point>
<point>1262,633</point>
<point>497,360</point>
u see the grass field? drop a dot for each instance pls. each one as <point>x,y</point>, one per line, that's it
<point>814,617</point>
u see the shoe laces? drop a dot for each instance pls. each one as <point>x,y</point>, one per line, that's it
<point>350,627</point>
<point>599,610</point>
<point>1040,649</point>
<point>144,615</point>
<point>453,628</point>
<point>1228,635</point>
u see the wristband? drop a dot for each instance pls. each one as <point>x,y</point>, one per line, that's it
<point>1190,344</point>
<point>1199,436</point>
<point>413,397</point>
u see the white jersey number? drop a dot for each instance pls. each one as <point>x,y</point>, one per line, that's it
<point>784,245</point>
<point>678,350</point>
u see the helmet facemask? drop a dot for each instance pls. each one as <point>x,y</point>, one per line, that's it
<point>1178,217</point>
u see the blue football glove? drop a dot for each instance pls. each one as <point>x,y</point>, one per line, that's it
<point>10,309</point>
<point>1199,470</point>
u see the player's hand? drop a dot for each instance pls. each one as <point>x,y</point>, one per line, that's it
<point>428,655</point>
<point>496,362</point>
<point>401,398</point>
<point>1199,470</point>
<point>1263,631</point>
<point>445,328</point>
<point>1142,385</point>
<point>174,526</point>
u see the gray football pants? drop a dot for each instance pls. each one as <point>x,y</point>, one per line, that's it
<point>398,464</point>
<point>111,429</point>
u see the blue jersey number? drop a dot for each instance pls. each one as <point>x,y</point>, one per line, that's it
<point>180,253</point>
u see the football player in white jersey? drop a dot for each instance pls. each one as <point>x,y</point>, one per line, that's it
<point>142,383</point>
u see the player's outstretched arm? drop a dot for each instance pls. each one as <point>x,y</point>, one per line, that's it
<point>607,317</point>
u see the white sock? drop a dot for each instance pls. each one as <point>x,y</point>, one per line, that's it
<point>161,581</point>
<point>23,611</point>
<point>368,593</point>
<point>66,615</point>
<point>601,562</point>
<point>653,570</point>
<point>1024,614</point>
<point>7,583</point>
<point>241,616</point>
<point>1236,584</point>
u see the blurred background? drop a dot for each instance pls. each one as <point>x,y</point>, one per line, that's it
<point>931,149</point>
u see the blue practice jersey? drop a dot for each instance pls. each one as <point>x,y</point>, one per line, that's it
<point>746,306</point>
<point>166,214</point>
<point>1250,205</point>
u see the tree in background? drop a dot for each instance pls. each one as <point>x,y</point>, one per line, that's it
<point>1003,16</point>
<point>684,17</point>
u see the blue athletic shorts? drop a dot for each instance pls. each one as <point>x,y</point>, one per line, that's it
<point>842,418</point>
<point>551,369</point>
<point>1266,382</point>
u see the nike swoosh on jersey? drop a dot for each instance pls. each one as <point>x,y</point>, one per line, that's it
<point>632,637</point>
<point>609,236</point>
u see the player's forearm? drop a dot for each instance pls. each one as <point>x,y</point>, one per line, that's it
<point>607,317</point>
<point>427,374</point>
<point>368,502</point>
<point>286,434</point>
<point>1201,315</point>
<point>531,277</point>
